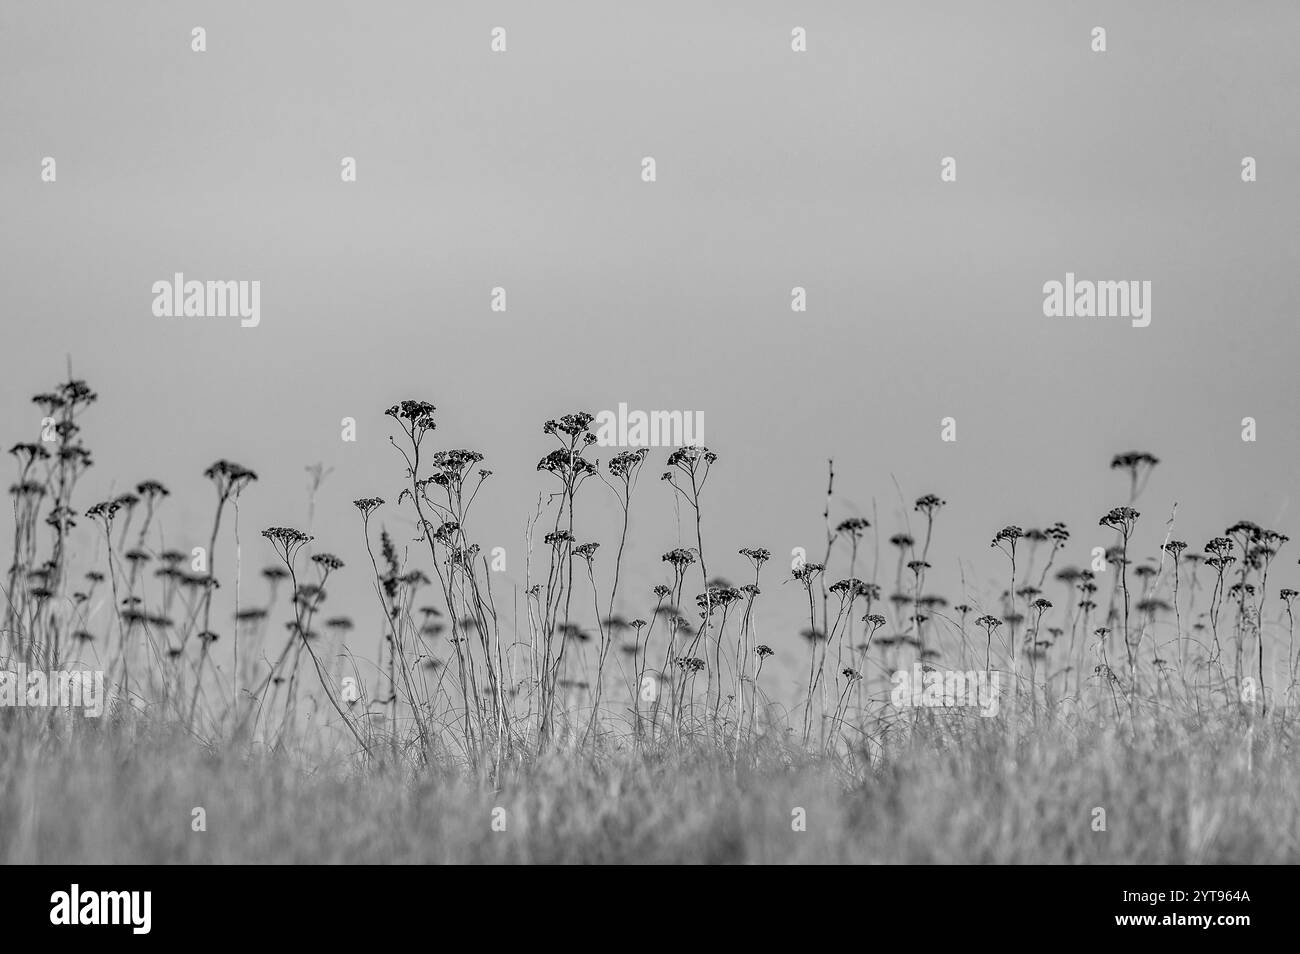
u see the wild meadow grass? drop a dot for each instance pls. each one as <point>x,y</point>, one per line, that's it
<point>1143,709</point>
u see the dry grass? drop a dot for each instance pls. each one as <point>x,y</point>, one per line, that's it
<point>1160,692</point>
<point>119,794</point>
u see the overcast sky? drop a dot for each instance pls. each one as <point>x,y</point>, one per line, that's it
<point>775,169</point>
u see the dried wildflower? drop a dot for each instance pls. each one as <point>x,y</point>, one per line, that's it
<point>690,458</point>
<point>463,556</point>
<point>134,617</point>
<point>567,465</point>
<point>1120,519</point>
<point>27,453</point>
<point>76,392</point>
<point>415,416</point>
<point>368,505</point>
<point>1006,538</point>
<point>450,467</point>
<point>309,594</point>
<point>853,526</point>
<point>415,578</point>
<point>287,541</point>
<point>680,557</point>
<point>1246,533</point>
<point>447,532</point>
<point>195,581</point>
<point>806,573</point>
<point>850,589</point>
<point>557,538</point>
<point>104,512</point>
<point>27,489</point>
<point>573,425</point>
<point>625,463</point>
<point>1219,546</point>
<point>230,478</point>
<point>1133,459</point>
<point>1139,465</point>
<point>929,504</point>
<point>151,490</point>
<point>76,457</point>
<point>716,597</point>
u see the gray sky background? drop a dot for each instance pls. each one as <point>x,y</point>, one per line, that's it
<point>775,169</point>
